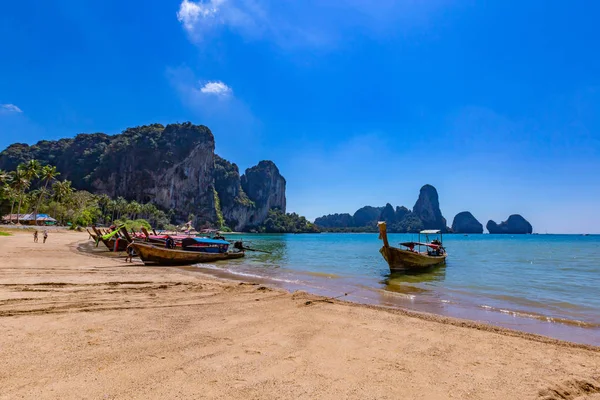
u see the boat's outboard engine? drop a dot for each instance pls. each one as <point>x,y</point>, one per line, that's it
<point>238,245</point>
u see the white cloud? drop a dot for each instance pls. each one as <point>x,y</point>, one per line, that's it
<point>209,99</point>
<point>214,104</point>
<point>190,13</point>
<point>306,23</point>
<point>10,108</point>
<point>217,88</point>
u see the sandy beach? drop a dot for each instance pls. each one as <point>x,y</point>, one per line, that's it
<point>78,326</point>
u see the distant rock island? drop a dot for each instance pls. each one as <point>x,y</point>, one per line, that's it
<point>427,209</point>
<point>515,224</point>
<point>425,214</point>
<point>465,222</point>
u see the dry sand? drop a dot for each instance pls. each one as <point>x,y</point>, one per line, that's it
<point>83,327</point>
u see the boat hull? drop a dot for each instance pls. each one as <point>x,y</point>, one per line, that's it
<point>403,260</point>
<point>116,244</point>
<point>153,255</point>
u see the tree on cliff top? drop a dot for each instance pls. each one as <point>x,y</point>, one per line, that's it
<point>279,222</point>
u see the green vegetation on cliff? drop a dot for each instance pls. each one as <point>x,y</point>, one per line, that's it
<point>172,167</point>
<point>31,188</point>
<point>279,222</point>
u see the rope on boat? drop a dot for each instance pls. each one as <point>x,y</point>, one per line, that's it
<point>240,246</point>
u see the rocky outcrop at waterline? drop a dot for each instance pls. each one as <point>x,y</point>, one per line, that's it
<point>515,224</point>
<point>465,222</point>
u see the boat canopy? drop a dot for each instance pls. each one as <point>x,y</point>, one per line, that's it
<point>430,231</point>
<point>413,244</point>
<point>207,241</point>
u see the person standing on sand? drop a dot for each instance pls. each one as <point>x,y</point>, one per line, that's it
<point>45,235</point>
<point>130,253</point>
<point>35,236</point>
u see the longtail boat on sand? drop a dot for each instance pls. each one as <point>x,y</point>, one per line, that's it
<point>200,251</point>
<point>111,240</point>
<point>160,240</point>
<point>93,236</point>
<point>409,259</point>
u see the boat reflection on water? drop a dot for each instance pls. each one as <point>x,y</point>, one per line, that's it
<point>404,289</point>
<point>396,281</point>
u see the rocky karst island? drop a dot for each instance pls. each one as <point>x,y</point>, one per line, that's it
<point>425,214</point>
<point>465,222</point>
<point>515,224</point>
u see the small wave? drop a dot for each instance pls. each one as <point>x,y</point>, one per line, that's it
<point>214,267</point>
<point>255,276</point>
<point>540,317</point>
<point>396,294</point>
<point>323,275</point>
<point>209,266</point>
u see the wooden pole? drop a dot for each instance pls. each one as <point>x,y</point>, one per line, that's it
<point>126,234</point>
<point>145,232</point>
<point>383,233</point>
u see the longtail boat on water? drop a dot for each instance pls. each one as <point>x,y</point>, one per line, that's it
<point>409,259</point>
<point>194,250</point>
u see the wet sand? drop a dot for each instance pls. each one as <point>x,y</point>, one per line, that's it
<point>82,326</point>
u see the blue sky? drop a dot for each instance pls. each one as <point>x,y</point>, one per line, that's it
<point>497,104</point>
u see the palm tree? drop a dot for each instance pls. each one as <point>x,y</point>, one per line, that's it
<point>147,211</point>
<point>104,204</point>
<point>11,195</point>
<point>112,206</point>
<point>62,191</point>
<point>4,176</point>
<point>134,208</point>
<point>31,168</point>
<point>49,173</point>
<point>26,173</point>
<point>5,179</point>
<point>20,184</point>
<point>121,204</point>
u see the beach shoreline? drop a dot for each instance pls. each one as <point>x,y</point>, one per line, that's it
<point>428,316</point>
<point>104,327</point>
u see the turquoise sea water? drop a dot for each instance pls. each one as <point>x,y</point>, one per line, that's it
<point>547,284</point>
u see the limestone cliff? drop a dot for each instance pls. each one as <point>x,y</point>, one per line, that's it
<point>388,214</point>
<point>465,222</point>
<point>264,186</point>
<point>172,166</point>
<point>367,216</point>
<point>401,212</point>
<point>246,200</point>
<point>427,209</point>
<point>344,220</point>
<point>515,224</point>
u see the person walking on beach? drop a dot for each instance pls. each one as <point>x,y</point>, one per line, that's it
<point>35,236</point>
<point>130,253</point>
<point>45,235</point>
